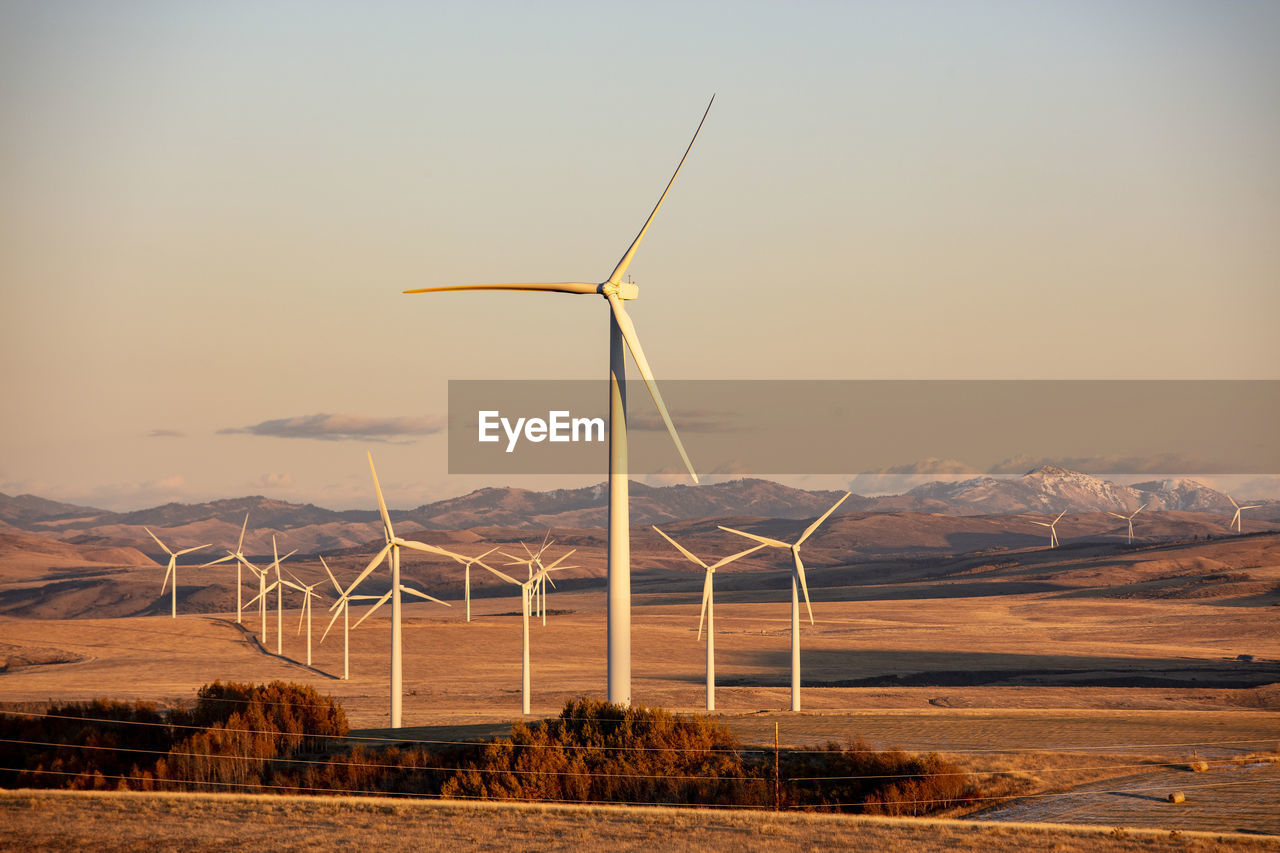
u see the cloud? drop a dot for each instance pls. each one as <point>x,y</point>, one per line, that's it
<point>1162,463</point>
<point>340,427</point>
<point>166,433</point>
<point>931,465</point>
<point>273,480</point>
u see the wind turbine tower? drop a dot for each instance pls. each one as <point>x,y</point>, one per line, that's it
<point>708,611</point>
<point>798,583</point>
<point>617,289</point>
<point>1235,519</point>
<point>1128,518</point>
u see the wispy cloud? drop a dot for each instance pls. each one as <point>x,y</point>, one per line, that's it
<point>340,427</point>
<point>166,433</point>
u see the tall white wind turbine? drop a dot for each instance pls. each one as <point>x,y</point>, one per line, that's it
<point>343,610</point>
<point>392,547</point>
<point>709,609</point>
<point>277,586</point>
<point>1053,528</point>
<point>616,289</point>
<point>526,597</point>
<point>1235,519</point>
<point>172,570</point>
<point>467,563</point>
<point>238,556</point>
<point>308,593</point>
<point>797,578</point>
<point>1128,518</point>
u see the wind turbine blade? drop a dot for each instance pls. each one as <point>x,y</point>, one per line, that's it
<point>404,588</point>
<point>803,584</point>
<point>331,621</point>
<point>302,614</point>
<point>1060,515</point>
<point>336,585</point>
<point>243,528</point>
<point>1138,510</point>
<point>706,594</point>
<point>170,553</point>
<point>550,286</point>
<point>373,564</point>
<point>561,559</point>
<point>764,539</point>
<point>1233,503</point>
<point>812,527</point>
<point>372,610</point>
<point>680,547</point>
<point>217,561</point>
<point>506,577</point>
<point>621,269</point>
<point>1251,506</point>
<point>189,550</point>
<point>382,505</point>
<point>729,559</point>
<point>430,549</point>
<point>1047,524</point>
<point>633,343</point>
<point>1118,515</point>
<point>167,573</point>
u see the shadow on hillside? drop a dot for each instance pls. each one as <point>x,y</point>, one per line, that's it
<point>876,668</point>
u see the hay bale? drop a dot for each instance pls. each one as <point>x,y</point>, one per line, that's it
<point>1177,797</point>
<point>1198,766</point>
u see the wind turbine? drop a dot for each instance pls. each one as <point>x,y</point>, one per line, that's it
<point>1128,518</point>
<point>345,611</point>
<point>1053,528</point>
<point>238,556</point>
<point>172,570</point>
<point>276,586</point>
<point>467,562</point>
<point>308,593</point>
<point>616,289</point>
<point>709,610</point>
<point>797,575</point>
<point>1235,519</point>
<point>392,547</point>
<point>526,594</point>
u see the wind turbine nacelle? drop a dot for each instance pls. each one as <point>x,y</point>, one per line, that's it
<point>628,290</point>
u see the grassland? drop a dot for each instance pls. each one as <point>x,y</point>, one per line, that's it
<point>110,821</point>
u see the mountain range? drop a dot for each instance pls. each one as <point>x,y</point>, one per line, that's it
<point>1044,491</point>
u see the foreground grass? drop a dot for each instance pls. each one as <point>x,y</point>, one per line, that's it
<point>64,820</point>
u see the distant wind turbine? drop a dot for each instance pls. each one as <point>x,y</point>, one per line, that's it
<point>709,609</point>
<point>308,593</point>
<point>238,556</point>
<point>277,586</point>
<point>1235,519</point>
<point>1129,518</point>
<point>343,610</point>
<point>526,596</point>
<point>798,583</point>
<point>617,289</point>
<point>1053,528</point>
<point>172,570</point>
<point>467,563</point>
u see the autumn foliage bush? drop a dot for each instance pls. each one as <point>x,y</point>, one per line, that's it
<point>287,738</point>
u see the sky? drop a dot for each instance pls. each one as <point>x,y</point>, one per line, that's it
<point>209,212</point>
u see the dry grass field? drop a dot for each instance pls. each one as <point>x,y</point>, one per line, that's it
<point>1073,677</point>
<point>57,820</point>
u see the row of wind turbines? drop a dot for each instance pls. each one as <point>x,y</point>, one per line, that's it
<point>1053,525</point>
<point>274,578</point>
